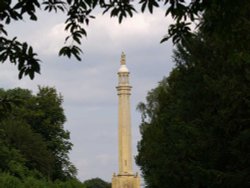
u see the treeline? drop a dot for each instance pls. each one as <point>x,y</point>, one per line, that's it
<point>11,181</point>
<point>196,122</point>
<point>34,146</point>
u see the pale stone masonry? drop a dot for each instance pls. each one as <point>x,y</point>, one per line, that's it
<point>125,178</point>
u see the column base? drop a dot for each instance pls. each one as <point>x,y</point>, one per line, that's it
<point>126,181</point>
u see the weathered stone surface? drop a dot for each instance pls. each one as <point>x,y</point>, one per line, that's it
<point>125,181</point>
<point>125,178</point>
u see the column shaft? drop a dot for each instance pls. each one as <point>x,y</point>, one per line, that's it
<point>125,154</point>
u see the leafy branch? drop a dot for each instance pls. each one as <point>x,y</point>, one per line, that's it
<point>21,55</point>
<point>79,14</point>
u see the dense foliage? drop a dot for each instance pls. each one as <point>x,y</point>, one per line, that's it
<point>79,13</point>
<point>196,123</point>
<point>10,181</point>
<point>33,142</point>
<point>96,183</point>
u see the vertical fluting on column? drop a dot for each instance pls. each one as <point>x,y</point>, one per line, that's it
<point>124,120</point>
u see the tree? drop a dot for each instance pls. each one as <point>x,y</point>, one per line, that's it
<point>196,129</point>
<point>11,160</point>
<point>196,122</point>
<point>96,183</point>
<point>79,13</point>
<point>35,129</point>
<point>8,181</point>
<point>48,121</point>
<point>31,146</point>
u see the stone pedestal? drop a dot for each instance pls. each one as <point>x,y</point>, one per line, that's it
<point>125,181</point>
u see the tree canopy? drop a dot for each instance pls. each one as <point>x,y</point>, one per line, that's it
<point>79,13</point>
<point>196,121</point>
<point>96,183</point>
<point>32,136</point>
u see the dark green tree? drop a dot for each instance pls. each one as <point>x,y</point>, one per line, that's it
<point>96,183</point>
<point>11,160</point>
<point>31,145</point>
<point>195,128</point>
<point>35,129</point>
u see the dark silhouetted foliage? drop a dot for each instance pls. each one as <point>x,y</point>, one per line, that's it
<point>32,136</point>
<point>96,183</point>
<point>79,13</point>
<point>195,124</point>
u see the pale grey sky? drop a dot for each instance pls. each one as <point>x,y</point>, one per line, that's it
<point>88,87</point>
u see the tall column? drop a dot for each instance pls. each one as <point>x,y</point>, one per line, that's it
<point>124,120</point>
<point>125,178</point>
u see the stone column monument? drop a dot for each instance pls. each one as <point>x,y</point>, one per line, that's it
<point>125,178</point>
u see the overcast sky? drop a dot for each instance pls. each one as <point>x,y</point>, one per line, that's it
<point>88,87</point>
